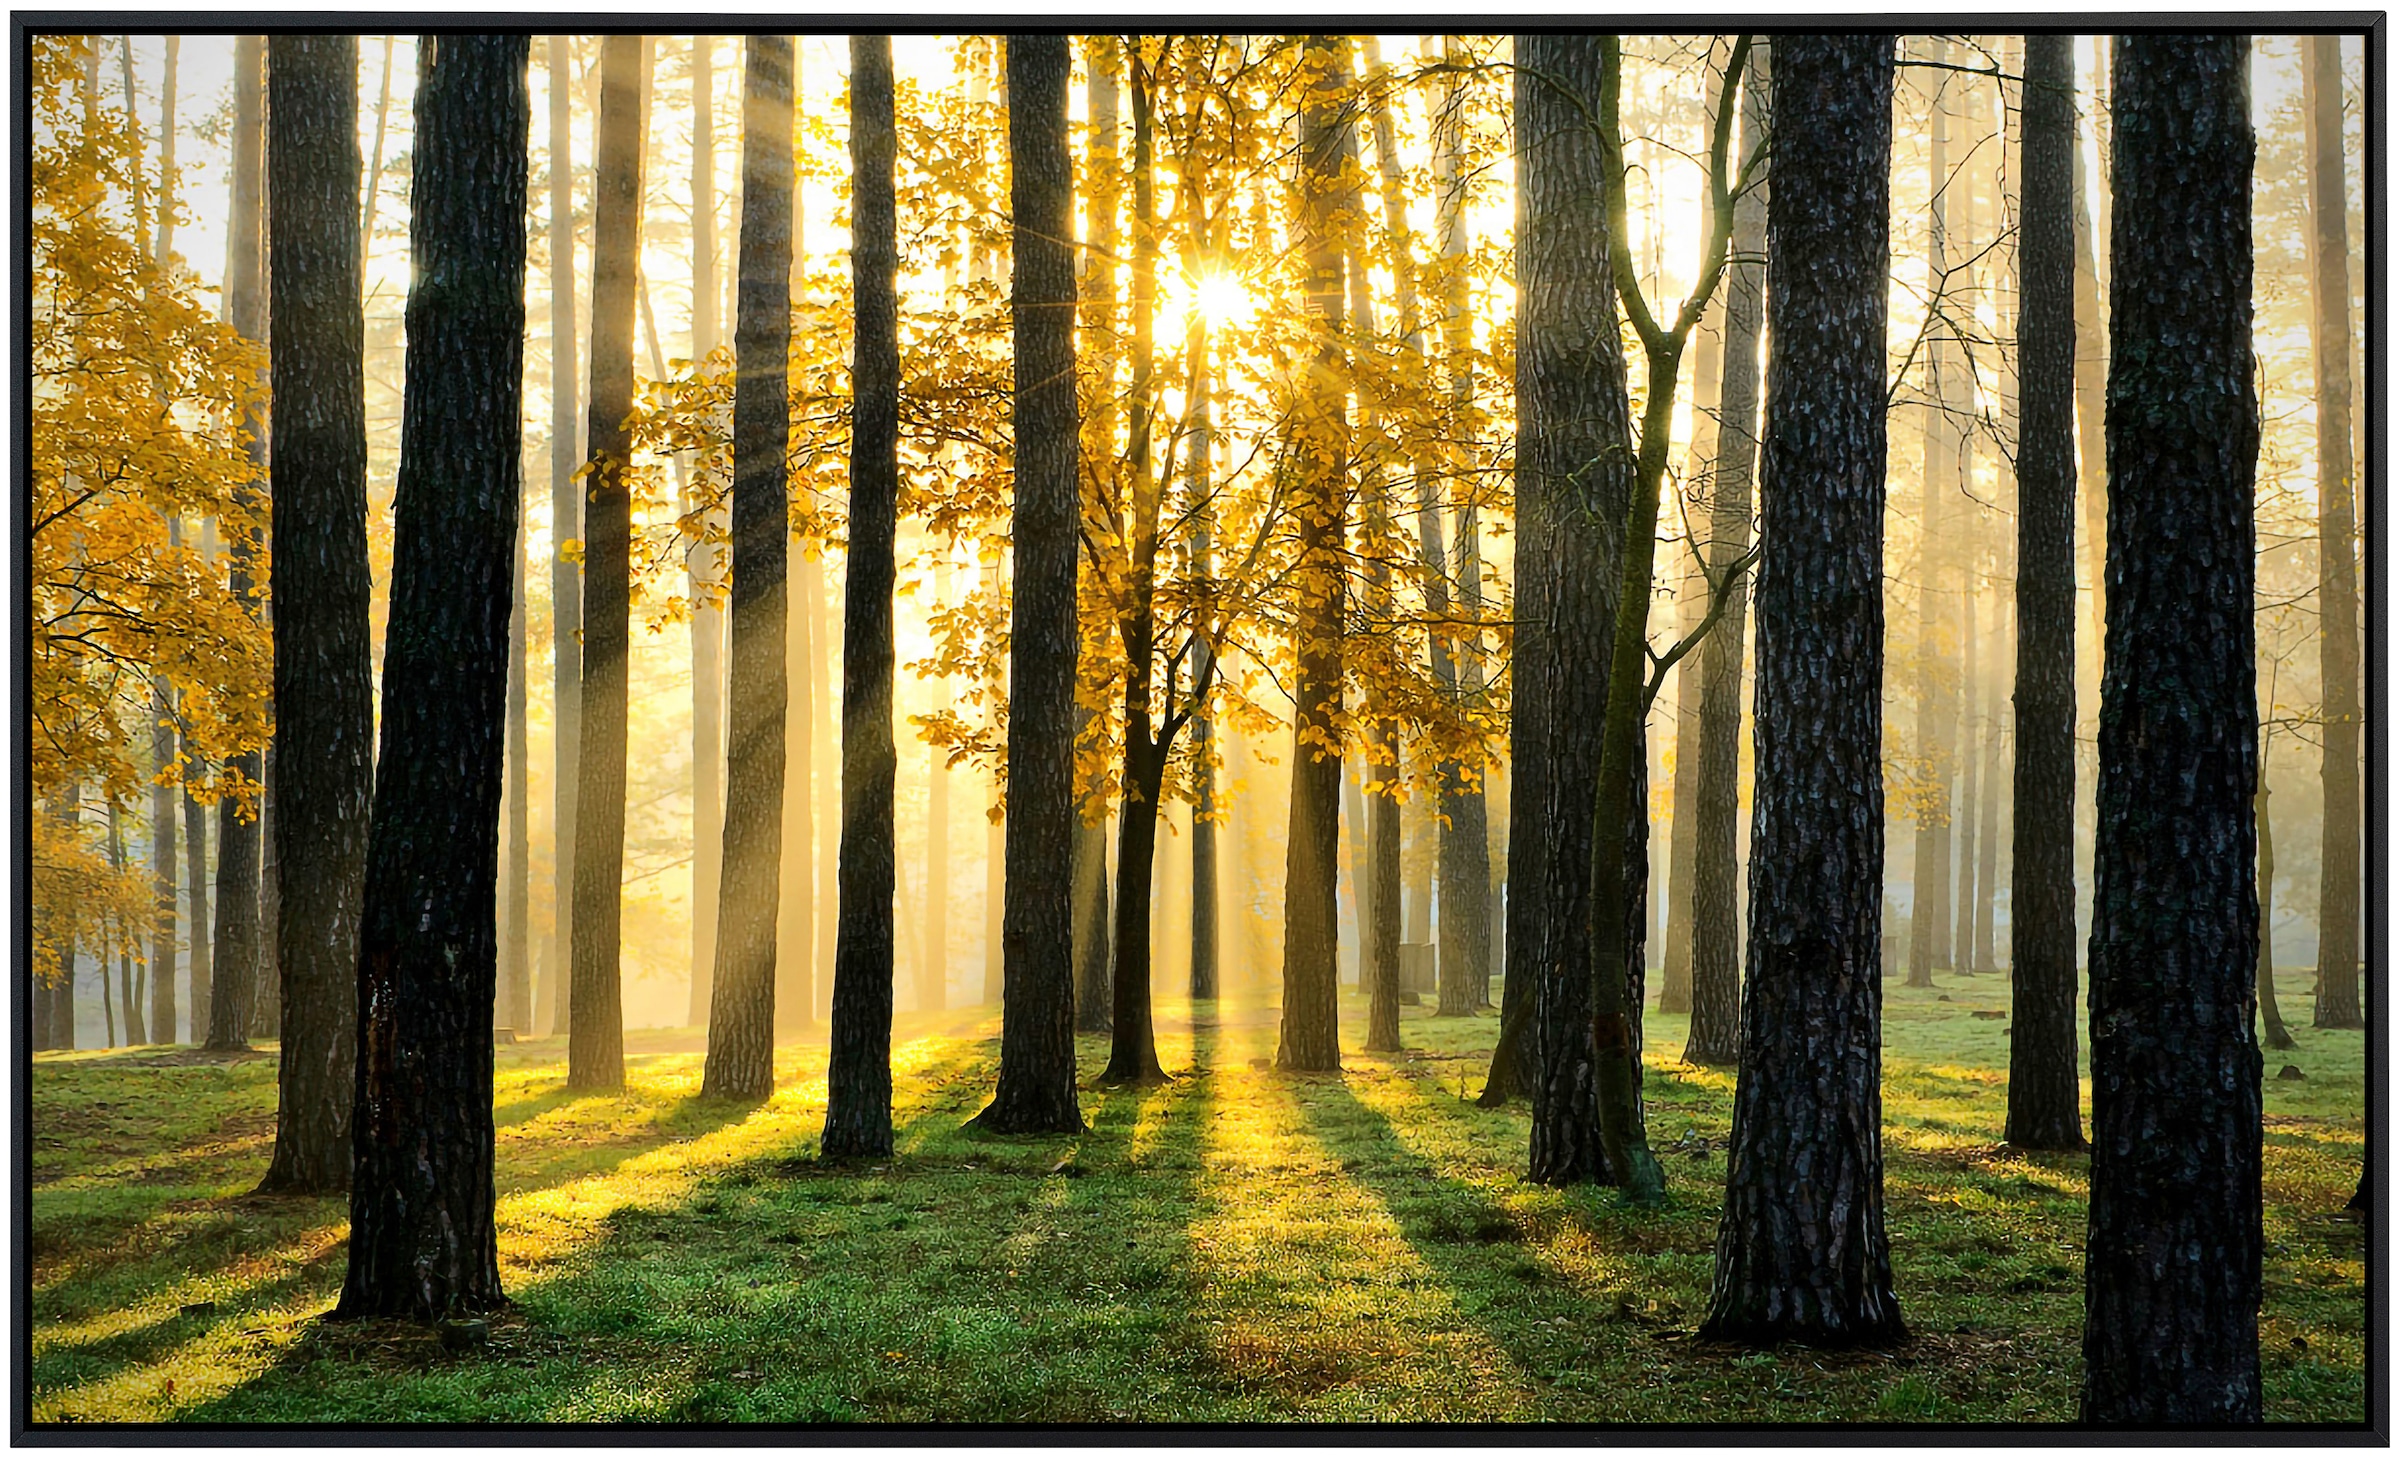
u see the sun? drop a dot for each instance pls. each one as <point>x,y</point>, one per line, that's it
<point>1221,299</point>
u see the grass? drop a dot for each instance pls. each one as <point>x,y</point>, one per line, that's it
<point>1238,1245</point>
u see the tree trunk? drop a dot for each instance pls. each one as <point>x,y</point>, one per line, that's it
<point>1310,1038</point>
<point>235,978</point>
<point>1036,1091</point>
<point>2338,1003</point>
<point>1708,374</point>
<point>121,935</point>
<point>1970,798</point>
<point>1987,849</point>
<point>1929,871</point>
<point>1801,1251</point>
<point>741,1015</point>
<point>324,767</point>
<point>566,523</point>
<point>858,1108</point>
<point>2172,1273</point>
<point>266,995</point>
<point>516,907</point>
<point>422,1243</point>
<point>1093,933</point>
<point>709,782</point>
<point>2278,1036</point>
<point>596,1023</point>
<point>1574,482</point>
<point>195,844</point>
<point>165,879</point>
<point>2091,369</point>
<point>1132,1048</point>
<point>1204,978</point>
<point>2044,1097</point>
<point>799,919</point>
<point>1716,795</point>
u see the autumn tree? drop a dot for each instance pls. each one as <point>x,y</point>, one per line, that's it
<point>324,769</point>
<point>596,1024</point>
<point>422,1242</point>
<point>1036,1091</point>
<point>1801,1251</point>
<point>741,1023</point>
<point>858,1109</point>
<point>2044,1096</point>
<point>2172,1272</point>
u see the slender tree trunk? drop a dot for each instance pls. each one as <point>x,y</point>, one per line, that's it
<point>566,523</point>
<point>596,1023</point>
<point>1574,482</point>
<point>2043,1092</point>
<point>516,907</point>
<point>1133,1050</point>
<point>165,237</point>
<point>236,971</point>
<point>709,786</point>
<point>741,1019</point>
<point>1929,873</point>
<point>1987,851</point>
<point>266,997</point>
<point>165,880</point>
<point>2091,372</point>
<point>422,1241</point>
<point>858,1110</point>
<point>1801,1250</point>
<point>2172,1269</point>
<point>196,917</point>
<point>2277,1035</point>
<point>1204,978</point>
<point>1310,1038</point>
<point>1094,935</point>
<point>1716,794</point>
<point>324,768</point>
<point>121,936</point>
<point>2337,1004</point>
<point>1970,798</point>
<point>383,111</point>
<point>799,921</point>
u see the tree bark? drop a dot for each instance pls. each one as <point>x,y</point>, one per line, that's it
<point>1801,1250</point>
<point>1936,699</point>
<point>324,769</point>
<point>741,1016</point>
<point>1708,374</point>
<point>596,1023</point>
<point>1310,1038</point>
<point>858,1108</point>
<point>1575,477</point>
<point>1716,996</point>
<point>234,979</point>
<point>2277,1035</point>
<point>2172,1270</point>
<point>1036,1092</point>
<point>2338,866</point>
<point>165,878</point>
<point>422,1242</point>
<point>195,839</point>
<point>2044,1096</point>
<point>566,524</point>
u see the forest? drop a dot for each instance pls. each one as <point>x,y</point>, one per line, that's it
<point>1190,728</point>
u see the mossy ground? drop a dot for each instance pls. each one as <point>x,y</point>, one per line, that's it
<point>1237,1245</point>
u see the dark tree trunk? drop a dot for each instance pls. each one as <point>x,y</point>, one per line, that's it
<point>741,1015</point>
<point>164,876</point>
<point>1801,1252</point>
<point>1132,1047</point>
<point>1310,1038</point>
<point>858,1106</point>
<point>2338,1004</point>
<point>1574,479</point>
<point>566,522</point>
<point>596,1022</point>
<point>1716,799</point>
<point>1040,948</point>
<point>2044,1097</point>
<point>2171,1274</point>
<point>324,687</point>
<point>422,1244</point>
<point>235,975</point>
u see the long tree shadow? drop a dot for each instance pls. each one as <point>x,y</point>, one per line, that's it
<point>967,1278</point>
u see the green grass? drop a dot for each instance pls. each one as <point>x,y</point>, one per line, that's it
<point>1237,1245</point>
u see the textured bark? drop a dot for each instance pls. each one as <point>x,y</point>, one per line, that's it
<point>2338,866</point>
<point>1321,442</point>
<point>709,771</point>
<point>324,767</point>
<point>1575,477</point>
<point>2172,1269</point>
<point>2044,1096</point>
<point>858,1105</point>
<point>1801,1250</point>
<point>422,1242</point>
<point>1716,795</point>
<point>1936,694</point>
<point>566,523</point>
<point>596,1023</point>
<point>234,980</point>
<point>1036,1092</point>
<point>741,1015</point>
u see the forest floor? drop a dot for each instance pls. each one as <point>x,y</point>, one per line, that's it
<point>1237,1245</point>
